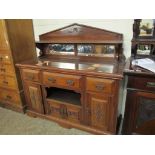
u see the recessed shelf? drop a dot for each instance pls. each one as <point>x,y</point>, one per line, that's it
<point>64,95</point>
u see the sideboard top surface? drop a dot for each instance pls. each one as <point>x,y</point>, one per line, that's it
<point>114,70</point>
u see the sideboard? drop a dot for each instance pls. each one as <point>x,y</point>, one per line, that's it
<point>76,79</point>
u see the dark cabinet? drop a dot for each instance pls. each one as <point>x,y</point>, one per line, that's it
<point>139,113</point>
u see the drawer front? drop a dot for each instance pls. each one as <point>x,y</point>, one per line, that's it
<point>99,85</point>
<point>8,82</point>
<point>5,58</point>
<point>32,75</point>
<point>141,83</point>
<point>10,96</point>
<point>6,69</point>
<point>62,80</point>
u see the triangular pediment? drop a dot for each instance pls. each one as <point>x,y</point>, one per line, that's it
<point>77,33</point>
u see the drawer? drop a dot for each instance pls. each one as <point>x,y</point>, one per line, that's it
<point>99,85</point>
<point>141,83</point>
<point>5,58</point>
<point>61,80</point>
<point>8,82</point>
<point>7,69</point>
<point>32,75</point>
<point>9,96</point>
<point>65,111</point>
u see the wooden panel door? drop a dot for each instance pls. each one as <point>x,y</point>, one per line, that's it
<point>3,36</point>
<point>34,97</point>
<point>98,110</point>
<point>139,113</point>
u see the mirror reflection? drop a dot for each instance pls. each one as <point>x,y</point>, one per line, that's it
<point>143,49</point>
<point>62,49</point>
<point>96,50</point>
<point>146,27</point>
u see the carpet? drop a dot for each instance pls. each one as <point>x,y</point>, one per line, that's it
<point>14,123</point>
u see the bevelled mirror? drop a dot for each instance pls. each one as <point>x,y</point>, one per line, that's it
<point>60,49</point>
<point>97,50</point>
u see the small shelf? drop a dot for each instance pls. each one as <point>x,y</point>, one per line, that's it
<point>64,95</point>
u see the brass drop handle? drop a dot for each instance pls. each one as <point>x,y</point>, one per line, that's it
<point>5,82</point>
<point>8,97</point>
<point>150,84</point>
<point>52,80</point>
<point>70,82</point>
<point>3,69</point>
<point>99,87</point>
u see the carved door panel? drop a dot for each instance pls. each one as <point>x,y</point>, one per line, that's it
<point>34,97</point>
<point>99,111</point>
<point>3,36</point>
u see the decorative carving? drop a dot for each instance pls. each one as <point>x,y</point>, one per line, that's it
<point>98,112</point>
<point>74,30</point>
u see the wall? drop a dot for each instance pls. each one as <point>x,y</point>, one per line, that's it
<point>123,26</point>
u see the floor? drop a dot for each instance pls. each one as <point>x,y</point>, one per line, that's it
<point>14,123</point>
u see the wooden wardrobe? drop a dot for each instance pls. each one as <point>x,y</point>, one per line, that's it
<point>16,45</point>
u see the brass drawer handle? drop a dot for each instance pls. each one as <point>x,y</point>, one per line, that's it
<point>8,97</point>
<point>150,84</point>
<point>70,82</point>
<point>3,69</point>
<point>52,80</point>
<point>5,82</point>
<point>99,87</point>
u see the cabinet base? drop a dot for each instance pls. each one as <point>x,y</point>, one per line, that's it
<point>68,124</point>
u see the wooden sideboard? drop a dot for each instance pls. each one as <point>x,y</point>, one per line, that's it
<point>76,90</point>
<point>16,44</point>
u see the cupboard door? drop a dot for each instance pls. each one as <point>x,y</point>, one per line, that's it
<point>53,108</point>
<point>34,97</point>
<point>99,111</point>
<point>3,36</point>
<point>139,113</point>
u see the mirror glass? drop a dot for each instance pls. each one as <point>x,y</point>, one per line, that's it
<point>96,50</point>
<point>143,49</point>
<point>60,49</point>
<point>146,27</point>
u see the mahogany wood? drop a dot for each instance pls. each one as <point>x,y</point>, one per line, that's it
<point>92,84</point>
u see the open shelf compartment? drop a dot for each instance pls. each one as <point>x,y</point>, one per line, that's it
<point>63,95</point>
